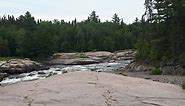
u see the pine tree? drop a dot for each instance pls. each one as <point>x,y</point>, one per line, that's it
<point>93,17</point>
<point>115,19</point>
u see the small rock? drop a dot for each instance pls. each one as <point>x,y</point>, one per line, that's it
<point>31,74</point>
<point>147,78</point>
<point>123,74</point>
<point>65,71</point>
<point>41,72</point>
<point>58,70</point>
<point>3,75</point>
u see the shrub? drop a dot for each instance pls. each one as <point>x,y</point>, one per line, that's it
<point>82,55</point>
<point>183,85</point>
<point>182,60</point>
<point>156,71</point>
<point>8,58</point>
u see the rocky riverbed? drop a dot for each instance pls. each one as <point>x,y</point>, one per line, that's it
<point>60,69</point>
<point>21,70</point>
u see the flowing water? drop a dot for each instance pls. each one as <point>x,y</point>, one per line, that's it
<point>60,69</point>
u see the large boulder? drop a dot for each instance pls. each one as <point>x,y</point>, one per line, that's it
<point>100,54</point>
<point>64,56</point>
<point>79,58</point>
<point>90,57</point>
<point>17,66</point>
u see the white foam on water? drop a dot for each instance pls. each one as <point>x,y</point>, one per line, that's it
<point>16,80</point>
<point>76,68</point>
<point>102,67</point>
<point>28,77</point>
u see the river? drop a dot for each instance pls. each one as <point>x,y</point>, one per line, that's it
<point>61,69</point>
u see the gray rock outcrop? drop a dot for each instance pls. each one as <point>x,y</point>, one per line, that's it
<point>17,66</point>
<point>92,89</point>
<point>173,70</point>
<point>79,58</point>
<point>90,57</point>
<point>138,67</point>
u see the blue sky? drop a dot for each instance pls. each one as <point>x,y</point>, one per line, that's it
<point>70,9</point>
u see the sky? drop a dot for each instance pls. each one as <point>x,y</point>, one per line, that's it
<point>70,9</point>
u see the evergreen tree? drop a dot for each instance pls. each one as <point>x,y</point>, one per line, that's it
<point>115,19</point>
<point>93,17</point>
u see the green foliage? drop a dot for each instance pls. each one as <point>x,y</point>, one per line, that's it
<point>158,36</point>
<point>7,58</point>
<point>115,19</point>
<point>182,59</point>
<point>183,85</point>
<point>81,55</point>
<point>4,50</point>
<point>162,32</point>
<point>93,17</point>
<point>156,71</point>
<point>26,37</point>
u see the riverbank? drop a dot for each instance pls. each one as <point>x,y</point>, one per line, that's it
<point>94,61</point>
<point>171,79</point>
<point>92,88</point>
<point>167,74</point>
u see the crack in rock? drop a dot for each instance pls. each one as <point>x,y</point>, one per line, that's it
<point>107,94</point>
<point>151,103</point>
<point>29,101</point>
<point>109,100</point>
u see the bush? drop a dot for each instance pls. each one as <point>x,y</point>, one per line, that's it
<point>82,55</point>
<point>156,71</point>
<point>182,60</point>
<point>8,58</point>
<point>183,85</point>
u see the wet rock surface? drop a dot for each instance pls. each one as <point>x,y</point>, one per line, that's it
<point>92,89</point>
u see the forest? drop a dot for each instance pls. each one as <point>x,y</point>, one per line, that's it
<point>24,36</point>
<point>158,36</point>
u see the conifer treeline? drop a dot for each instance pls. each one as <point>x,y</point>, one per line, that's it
<point>158,36</point>
<point>27,37</point>
<point>163,35</point>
